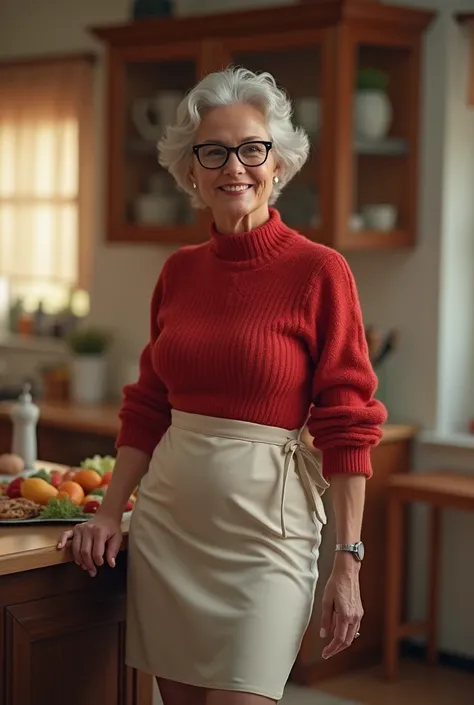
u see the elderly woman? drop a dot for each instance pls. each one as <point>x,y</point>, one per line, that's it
<point>254,335</point>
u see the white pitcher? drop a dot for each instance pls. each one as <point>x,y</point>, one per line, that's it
<point>151,115</point>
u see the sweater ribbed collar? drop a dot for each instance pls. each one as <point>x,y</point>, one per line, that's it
<point>253,247</point>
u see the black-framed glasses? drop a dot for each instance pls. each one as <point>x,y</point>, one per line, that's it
<point>215,156</point>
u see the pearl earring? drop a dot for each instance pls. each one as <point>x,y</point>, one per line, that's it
<point>276,179</point>
<point>194,185</point>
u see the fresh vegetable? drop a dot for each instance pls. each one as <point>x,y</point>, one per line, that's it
<point>53,477</point>
<point>14,488</point>
<point>72,490</point>
<point>91,507</point>
<point>93,498</point>
<point>99,491</point>
<point>56,478</point>
<point>44,475</point>
<point>88,479</point>
<point>129,506</point>
<point>106,480</point>
<point>61,508</point>
<point>99,463</point>
<point>38,490</point>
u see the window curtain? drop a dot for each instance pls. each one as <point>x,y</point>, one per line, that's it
<point>46,153</point>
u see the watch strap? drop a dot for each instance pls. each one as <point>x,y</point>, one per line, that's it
<point>351,547</point>
<point>355,549</point>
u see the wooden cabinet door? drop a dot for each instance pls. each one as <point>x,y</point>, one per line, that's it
<point>55,657</point>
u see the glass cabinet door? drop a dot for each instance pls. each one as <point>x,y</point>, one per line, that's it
<point>296,69</point>
<point>384,129</point>
<point>151,94</point>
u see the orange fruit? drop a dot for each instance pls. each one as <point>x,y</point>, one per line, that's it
<point>38,490</point>
<point>73,490</point>
<point>88,479</point>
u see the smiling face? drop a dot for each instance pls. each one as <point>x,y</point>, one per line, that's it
<point>236,194</point>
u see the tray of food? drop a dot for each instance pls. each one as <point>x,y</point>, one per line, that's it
<point>58,495</point>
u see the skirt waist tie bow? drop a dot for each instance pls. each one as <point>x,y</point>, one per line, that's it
<point>308,469</point>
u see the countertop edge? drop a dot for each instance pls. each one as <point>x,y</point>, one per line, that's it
<point>40,558</point>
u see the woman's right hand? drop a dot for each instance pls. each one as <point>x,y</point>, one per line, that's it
<point>92,542</point>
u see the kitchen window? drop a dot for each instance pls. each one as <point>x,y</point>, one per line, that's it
<point>45,180</point>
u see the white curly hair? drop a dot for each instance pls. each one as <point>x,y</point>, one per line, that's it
<point>234,85</point>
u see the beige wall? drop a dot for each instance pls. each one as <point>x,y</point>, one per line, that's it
<point>401,289</point>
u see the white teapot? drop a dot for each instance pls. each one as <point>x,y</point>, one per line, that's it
<point>151,115</point>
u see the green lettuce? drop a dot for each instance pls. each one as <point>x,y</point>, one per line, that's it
<point>99,463</point>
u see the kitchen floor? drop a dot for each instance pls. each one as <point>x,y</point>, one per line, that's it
<point>418,684</point>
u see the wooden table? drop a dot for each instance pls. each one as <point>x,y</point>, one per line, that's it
<point>439,490</point>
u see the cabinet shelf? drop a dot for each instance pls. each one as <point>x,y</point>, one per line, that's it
<point>391,146</point>
<point>377,239</point>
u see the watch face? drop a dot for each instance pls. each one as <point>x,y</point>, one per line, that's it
<point>360,551</point>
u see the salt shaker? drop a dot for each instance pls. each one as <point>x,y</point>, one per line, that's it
<point>24,416</point>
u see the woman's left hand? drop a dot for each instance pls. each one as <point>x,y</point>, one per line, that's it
<point>342,607</point>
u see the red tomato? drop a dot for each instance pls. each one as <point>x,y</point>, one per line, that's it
<point>91,507</point>
<point>56,478</point>
<point>14,488</point>
<point>106,479</point>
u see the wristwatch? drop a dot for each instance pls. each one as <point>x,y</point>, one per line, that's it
<point>357,549</point>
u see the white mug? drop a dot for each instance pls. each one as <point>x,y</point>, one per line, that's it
<point>380,216</point>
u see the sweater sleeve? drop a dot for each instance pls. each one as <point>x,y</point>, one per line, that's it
<point>345,418</point>
<point>145,413</point>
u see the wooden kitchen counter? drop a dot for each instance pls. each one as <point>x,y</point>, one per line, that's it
<point>62,633</point>
<point>24,548</point>
<point>101,419</point>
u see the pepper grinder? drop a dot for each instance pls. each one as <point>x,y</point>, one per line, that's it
<point>24,416</point>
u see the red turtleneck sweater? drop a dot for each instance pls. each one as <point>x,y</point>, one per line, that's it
<point>259,326</point>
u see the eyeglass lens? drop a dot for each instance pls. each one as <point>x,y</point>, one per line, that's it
<point>213,156</point>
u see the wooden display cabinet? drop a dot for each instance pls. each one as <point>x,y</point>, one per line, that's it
<point>355,192</point>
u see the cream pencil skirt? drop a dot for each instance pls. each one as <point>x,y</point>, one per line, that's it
<point>223,549</point>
